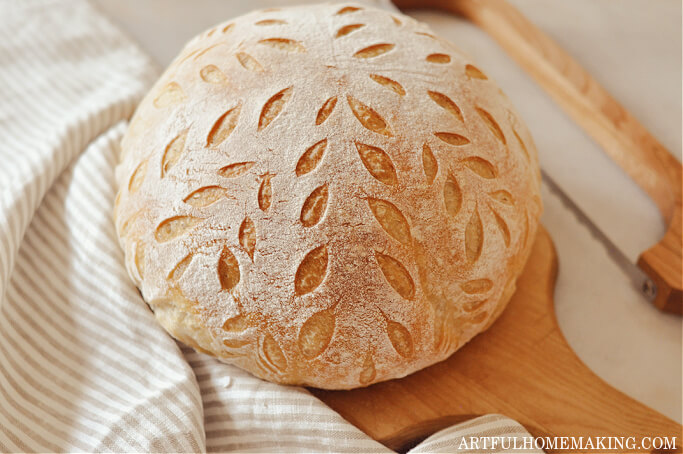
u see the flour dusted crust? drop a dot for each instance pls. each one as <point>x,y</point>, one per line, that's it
<point>326,195</point>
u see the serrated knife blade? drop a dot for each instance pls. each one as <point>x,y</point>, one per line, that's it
<point>638,278</point>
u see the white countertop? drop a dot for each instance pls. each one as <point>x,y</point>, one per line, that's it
<point>632,47</point>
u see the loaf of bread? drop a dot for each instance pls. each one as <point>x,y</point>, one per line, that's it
<point>327,195</point>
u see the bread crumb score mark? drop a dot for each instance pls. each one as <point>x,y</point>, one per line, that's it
<point>265,192</point>
<point>248,62</point>
<point>171,94</point>
<point>391,219</point>
<point>325,110</point>
<point>429,164</point>
<point>502,196</point>
<point>314,206</point>
<point>346,29</point>
<point>446,103</point>
<point>438,58</point>
<point>205,196</point>
<point>492,125</point>
<point>474,73</point>
<point>481,167</point>
<point>273,354</point>
<point>174,227</point>
<point>236,169</point>
<point>474,237</point>
<point>311,158</point>
<point>374,51</point>
<point>378,163</point>
<point>237,324</point>
<point>347,10</point>
<point>396,275</point>
<point>269,22</point>
<point>472,306</point>
<point>452,196</point>
<point>212,75</point>
<point>476,286</point>
<point>522,146</point>
<point>452,139</point>
<point>284,44</point>
<point>316,333</point>
<point>311,271</point>
<point>205,50</point>
<point>273,107</point>
<point>228,269</point>
<point>367,117</point>
<point>368,372</point>
<point>247,237</point>
<point>173,152</point>
<point>389,83</point>
<point>223,127</point>
<point>503,227</point>
<point>400,337</point>
<point>140,258</point>
<point>138,177</point>
<point>179,269</point>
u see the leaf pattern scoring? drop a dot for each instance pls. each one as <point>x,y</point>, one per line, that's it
<point>389,83</point>
<point>452,196</point>
<point>316,333</point>
<point>391,219</point>
<point>374,51</point>
<point>247,237</point>
<point>248,62</point>
<point>368,117</point>
<point>174,227</point>
<point>368,372</point>
<point>325,110</point>
<point>378,163</point>
<point>212,75</point>
<point>429,163</point>
<point>236,169</point>
<point>311,271</point>
<point>481,167</point>
<point>446,103</point>
<point>314,207</point>
<point>474,237</point>
<point>288,45</point>
<point>169,95</point>
<point>273,107</point>
<point>173,152</point>
<point>397,275</point>
<point>205,196</point>
<point>223,127</point>
<point>273,353</point>
<point>228,269</point>
<point>311,158</point>
<point>400,338</point>
<point>346,29</point>
<point>452,138</point>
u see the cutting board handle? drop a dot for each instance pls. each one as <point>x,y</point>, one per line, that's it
<point>620,135</point>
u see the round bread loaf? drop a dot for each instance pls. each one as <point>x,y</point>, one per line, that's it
<point>327,195</point>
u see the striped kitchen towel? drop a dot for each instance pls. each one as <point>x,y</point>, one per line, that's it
<point>83,364</point>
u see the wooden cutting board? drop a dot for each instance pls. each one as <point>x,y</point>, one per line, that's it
<point>522,367</point>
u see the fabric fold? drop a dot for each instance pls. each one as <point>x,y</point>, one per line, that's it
<point>84,366</point>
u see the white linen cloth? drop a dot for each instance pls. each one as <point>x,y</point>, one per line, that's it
<point>83,364</point>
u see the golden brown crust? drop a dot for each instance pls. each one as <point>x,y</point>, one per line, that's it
<point>326,196</point>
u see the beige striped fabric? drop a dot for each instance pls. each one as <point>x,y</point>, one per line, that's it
<point>83,364</point>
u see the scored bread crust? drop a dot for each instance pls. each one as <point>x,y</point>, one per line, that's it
<point>326,195</point>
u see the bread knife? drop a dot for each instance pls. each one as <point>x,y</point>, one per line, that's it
<point>618,132</point>
<point>639,279</point>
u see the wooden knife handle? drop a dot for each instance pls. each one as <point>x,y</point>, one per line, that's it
<point>621,136</point>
